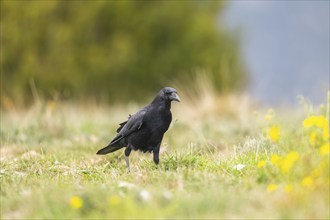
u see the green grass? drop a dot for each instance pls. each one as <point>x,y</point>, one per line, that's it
<point>48,157</point>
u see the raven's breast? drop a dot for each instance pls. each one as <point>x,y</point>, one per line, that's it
<point>145,140</point>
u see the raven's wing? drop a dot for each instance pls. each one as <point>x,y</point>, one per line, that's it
<point>134,123</point>
<point>121,125</point>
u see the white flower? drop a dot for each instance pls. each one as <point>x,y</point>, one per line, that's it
<point>144,195</point>
<point>239,167</point>
<point>126,185</point>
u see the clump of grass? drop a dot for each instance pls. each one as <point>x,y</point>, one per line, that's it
<point>213,165</point>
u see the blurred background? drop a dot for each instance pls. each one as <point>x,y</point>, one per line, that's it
<point>111,51</point>
<point>285,45</point>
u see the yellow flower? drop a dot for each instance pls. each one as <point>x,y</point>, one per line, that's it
<point>275,159</point>
<point>274,133</point>
<point>288,161</point>
<point>319,121</point>
<point>261,163</point>
<point>288,188</point>
<point>76,202</point>
<point>308,181</point>
<point>271,187</point>
<point>325,149</point>
<point>114,200</point>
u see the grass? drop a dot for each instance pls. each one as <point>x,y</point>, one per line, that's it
<point>216,161</point>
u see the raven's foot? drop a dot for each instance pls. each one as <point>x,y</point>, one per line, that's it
<point>127,164</point>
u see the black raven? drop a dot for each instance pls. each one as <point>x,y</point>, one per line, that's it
<point>145,129</point>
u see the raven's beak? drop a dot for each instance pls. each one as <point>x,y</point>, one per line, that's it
<point>175,97</point>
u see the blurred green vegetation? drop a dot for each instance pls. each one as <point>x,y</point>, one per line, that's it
<point>113,50</point>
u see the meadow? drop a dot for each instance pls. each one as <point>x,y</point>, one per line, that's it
<point>222,157</point>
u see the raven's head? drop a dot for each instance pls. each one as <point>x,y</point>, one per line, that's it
<point>170,94</point>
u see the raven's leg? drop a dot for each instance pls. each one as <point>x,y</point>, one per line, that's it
<point>156,155</point>
<point>127,153</point>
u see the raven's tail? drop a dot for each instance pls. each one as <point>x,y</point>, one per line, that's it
<point>109,149</point>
